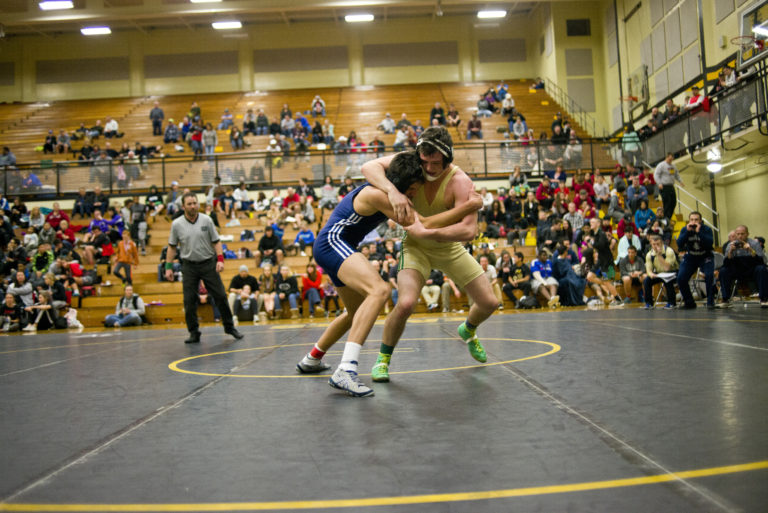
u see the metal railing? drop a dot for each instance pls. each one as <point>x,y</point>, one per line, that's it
<point>575,111</point>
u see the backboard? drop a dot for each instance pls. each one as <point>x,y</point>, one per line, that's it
<point>754,23</point>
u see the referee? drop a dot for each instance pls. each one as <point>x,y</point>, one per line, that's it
<point>665,176</point>
<point>202,259</point>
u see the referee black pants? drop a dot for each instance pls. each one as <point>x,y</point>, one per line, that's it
<point>192,273</point>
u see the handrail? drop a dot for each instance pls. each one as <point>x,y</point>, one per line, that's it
<point>703,219</point>
<point>575,110</point>
<point>699,203</point>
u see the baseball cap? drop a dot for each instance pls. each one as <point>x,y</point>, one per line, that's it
<point>243,268</point>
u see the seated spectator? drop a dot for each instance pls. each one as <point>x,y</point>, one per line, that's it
<point>515,276</point>
<point>22,289</point>
<point>430,292</point>
<point>93,245</point>
<point>617,206</point>
<point>330,294</point>
<point>376,146</point>
<point>317,107</point>
<point>661,266</point>
<point>227,120</point>
<point>111,128</point>
<point>31,241</point>
<point>30,183</point>
<point>312,291</point>
<point>543,282</point>
<point>484,108</point>
<point>628,240</point>
<point>175,267</point>
<point>195,113</point>
<point>128,311</point>
<point>287,291</point>
<point>56,216</point>
<point>12,315</point>
<point>602,192</point>
<point>437,113</point>
<point>644,216</point>
<point>236,139</point>
<point>570,285</point>
<point>305,238</point>
<point>40,262</point>
<point>544,194</point>
<point>453,118</point>
<point>63,142</point>
<point>100,200</point>
<point>597,277</point>
<point>247,305</point>
<point>49,144</point>
<point>387,124</point>
<point>270,248</point>
<point>632,270</point>
<point>204,298</point>
<point>696,242</point>
<point>401,138</point>
<point>636,193</point>
<point>41,314</point>
<point>83,203</point>
<point>745,261</point>
<point>474,128</point>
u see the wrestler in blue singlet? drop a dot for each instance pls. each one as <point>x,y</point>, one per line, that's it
<point>342,233</point>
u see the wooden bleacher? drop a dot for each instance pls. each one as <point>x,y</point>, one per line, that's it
<point>24,126</point>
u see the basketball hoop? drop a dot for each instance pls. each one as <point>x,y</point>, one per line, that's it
<point>747,43</point>
<point>628,99</point>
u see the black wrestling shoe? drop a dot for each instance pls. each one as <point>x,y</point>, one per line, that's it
<point>233,331</point>
<point>194,338</point>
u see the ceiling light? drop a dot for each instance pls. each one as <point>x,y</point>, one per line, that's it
<point>95,31</point>
<point>204,1</point>
<point>358,18</point>
<point>714,167</point>
<point>226,25</point>
<point>52,5</point>
<point>491,14</point>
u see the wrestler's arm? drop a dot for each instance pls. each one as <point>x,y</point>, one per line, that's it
<point>454,215</point>
<point>462,189</point>
<point>374,172</point>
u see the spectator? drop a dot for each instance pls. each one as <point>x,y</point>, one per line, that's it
<point>628,240</point>
<point>516,276</point>
<point>128,312</point>
<point>570,286</point>
<point>226,120</point>
<point>175,265</point>
<point>247,305</point>
<point>249,122</point>
<point>209,140</point>
<point>744,260</point>
<point>63,142</point>
<point>49,144</point>
<point>317,107</point>
<point>12,316</point>
<point>195,114</point>
<point>484,108</point>
<point>100,200</point>
<point>22,289</point>
<point>543,282</point>
<point>437,113</point>
<point>156,115</point>
<point>696,241</point>
<point>387,124</point>
<point>644,216</point>
<point>330,294</point>
<point>111,128</point>
<point>636,193</point>
<point>270,248</point>
<point>430,292</point>
<point>312,291</point>
<point>236,139</point>
<point>474,128</point>
<point>127,258</point>
<point>630,145</point>
<point>661,266</point>
<point>665,175</point>
<point>617,206</point>
<point>632,271</point>
<point>56,216</point>
<point>41,314</point>
<point>453,117</point>
<point>305,238</point>
<point>287,290</point>
<point>597,276</point>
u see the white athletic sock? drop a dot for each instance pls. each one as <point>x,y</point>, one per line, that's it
<point>350,357</point>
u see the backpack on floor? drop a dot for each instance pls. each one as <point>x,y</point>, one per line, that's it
<point>527,303</point>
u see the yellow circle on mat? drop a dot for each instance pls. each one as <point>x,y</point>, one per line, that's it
<point>553,348</point>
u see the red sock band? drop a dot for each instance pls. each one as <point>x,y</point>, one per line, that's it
<point>316,353</point>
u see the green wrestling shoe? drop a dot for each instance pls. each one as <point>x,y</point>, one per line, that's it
<point>473,344</point>
<point>380,371</point>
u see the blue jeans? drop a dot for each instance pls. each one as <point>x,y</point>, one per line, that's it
<point>313,298</point>
<point>82,208</point>
<point>131,319</point>
<point>293,298</point>
<point>688,267</point>
<point>262,130</point>
<point>478,134</point>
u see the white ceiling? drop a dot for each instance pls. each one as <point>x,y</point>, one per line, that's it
<point>20,17</point>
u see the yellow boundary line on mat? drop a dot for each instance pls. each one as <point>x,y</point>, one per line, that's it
<point>399,501</point>
<point>174,366</point>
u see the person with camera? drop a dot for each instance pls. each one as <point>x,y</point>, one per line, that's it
<point>744,260</point>
<point>696,240</point>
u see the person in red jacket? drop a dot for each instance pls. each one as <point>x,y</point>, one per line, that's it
<point>312,289</point>
<point>56,217</point>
